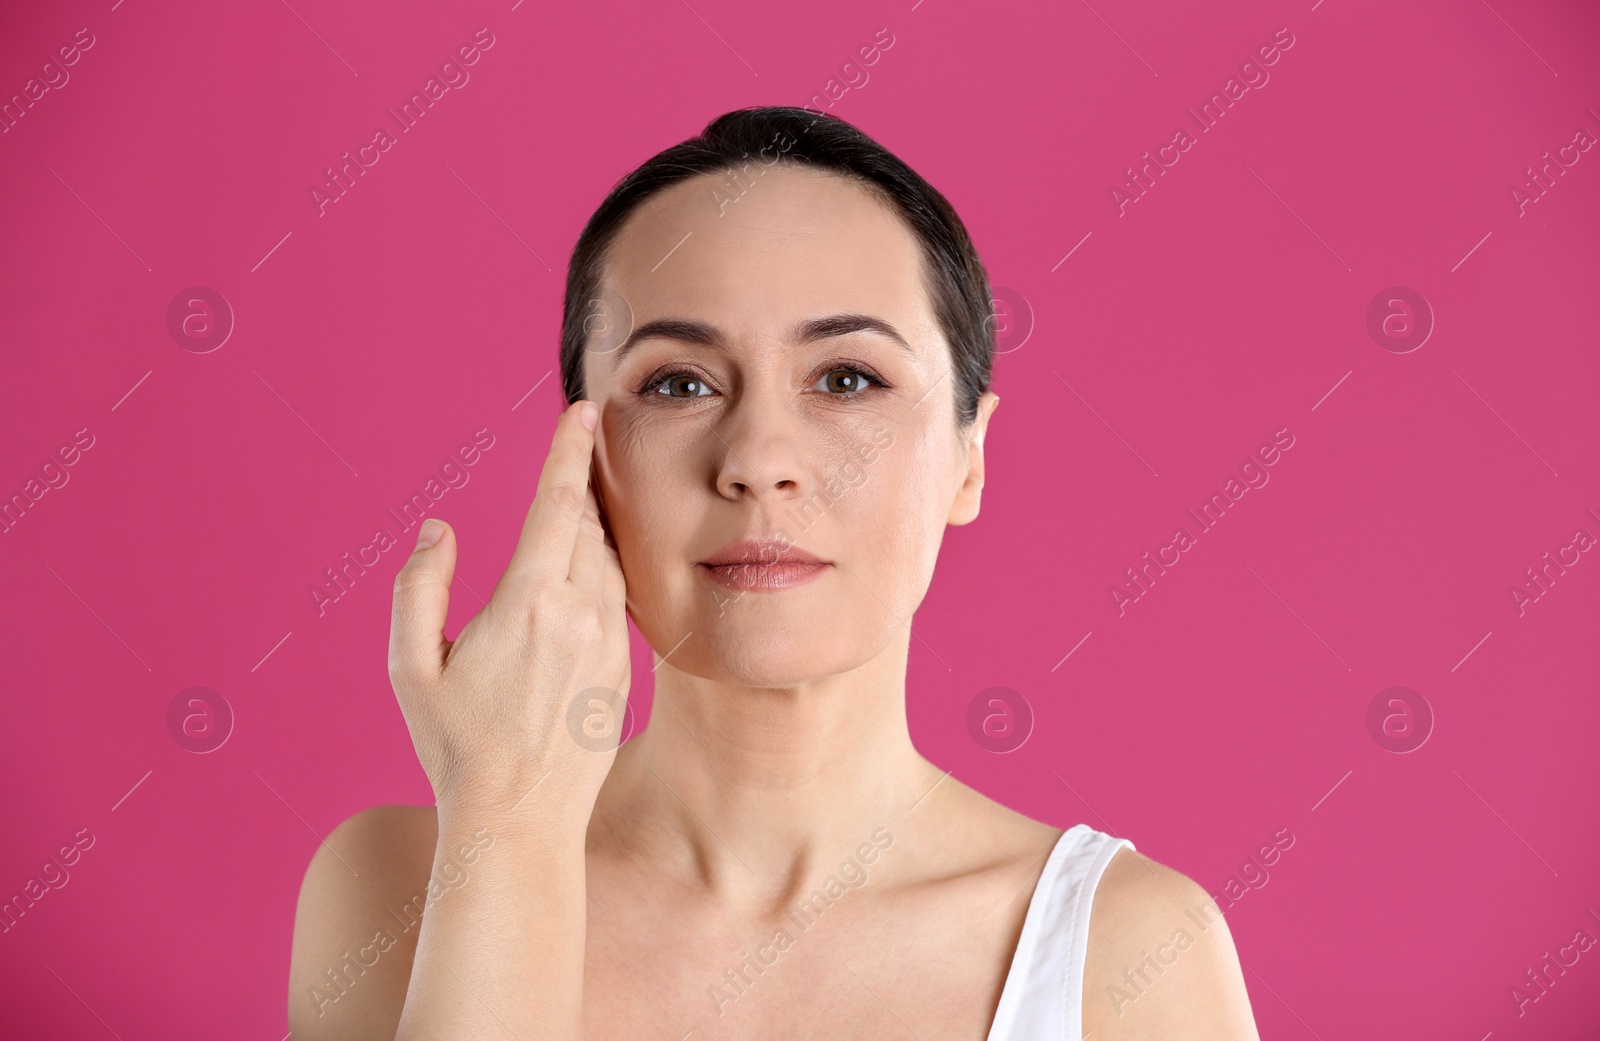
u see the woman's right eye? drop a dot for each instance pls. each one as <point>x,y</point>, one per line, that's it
<point>663,386</point>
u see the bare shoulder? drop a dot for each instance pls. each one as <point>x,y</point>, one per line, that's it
<point>356,924</point>
<point>1161,962</point>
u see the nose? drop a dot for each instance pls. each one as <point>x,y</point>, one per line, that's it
<point>760,454</point>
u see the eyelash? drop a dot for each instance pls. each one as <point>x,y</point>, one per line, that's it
<point>649,390</point>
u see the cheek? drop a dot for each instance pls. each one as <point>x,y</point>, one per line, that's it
<point>919,468</point>
<point>888,496</point>
<point>645,504</point>
<point>638,464</point>
<point>655,499</point>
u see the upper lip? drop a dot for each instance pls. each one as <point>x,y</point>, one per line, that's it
<point>761,551</point>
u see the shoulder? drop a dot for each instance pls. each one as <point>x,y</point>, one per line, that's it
<point>356,923</point>
<point>1161,961</point>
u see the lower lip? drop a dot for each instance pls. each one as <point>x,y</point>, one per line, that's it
<point>762,577</point>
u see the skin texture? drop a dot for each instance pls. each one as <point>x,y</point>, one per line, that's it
<point>778,745</point>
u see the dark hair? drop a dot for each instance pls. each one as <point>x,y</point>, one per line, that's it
<point>957,284</point>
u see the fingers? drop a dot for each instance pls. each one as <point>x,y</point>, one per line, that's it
<point>615,586</point>
<point>589,551</point>
<point>615,589</point>
<point>544,550</point>
<point>417,646</point>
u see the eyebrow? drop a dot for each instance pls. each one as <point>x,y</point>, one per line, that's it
<point>807,332</point>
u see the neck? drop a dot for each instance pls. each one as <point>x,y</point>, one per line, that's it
<point>755,792</point>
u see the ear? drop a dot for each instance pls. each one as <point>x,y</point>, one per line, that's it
<point>965,508</point>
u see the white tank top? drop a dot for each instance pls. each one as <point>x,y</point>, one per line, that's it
<point>1043,995</point>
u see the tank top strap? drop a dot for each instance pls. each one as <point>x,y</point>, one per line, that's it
<point>1042,999</point>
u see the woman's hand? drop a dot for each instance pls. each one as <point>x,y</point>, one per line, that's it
<point>512,703</point>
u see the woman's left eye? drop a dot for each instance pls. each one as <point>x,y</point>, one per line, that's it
<point>853,381</point>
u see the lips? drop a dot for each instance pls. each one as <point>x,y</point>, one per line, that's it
<point>761,551</point>
<point>762,564</point>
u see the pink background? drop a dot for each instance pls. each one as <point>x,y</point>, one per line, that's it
<point>1228,303</point>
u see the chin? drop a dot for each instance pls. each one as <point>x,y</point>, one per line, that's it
<point>756,653</point>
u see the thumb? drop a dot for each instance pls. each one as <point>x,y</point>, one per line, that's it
<point>417,646</point>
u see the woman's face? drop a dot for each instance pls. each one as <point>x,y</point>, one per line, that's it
<point>734,424</point>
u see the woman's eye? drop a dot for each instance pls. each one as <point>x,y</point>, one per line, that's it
<point>693,386</point>
<point>846,381</point>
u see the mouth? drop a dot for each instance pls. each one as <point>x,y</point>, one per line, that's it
<point>762,577</point>
<point>760,565</point>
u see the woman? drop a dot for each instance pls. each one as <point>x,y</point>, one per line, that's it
<point>778,406</point>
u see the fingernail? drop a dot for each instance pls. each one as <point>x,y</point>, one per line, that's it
<point>430,532</point>
<point>588,414</point>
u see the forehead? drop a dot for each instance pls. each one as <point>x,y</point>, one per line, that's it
<point>760,257</point>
